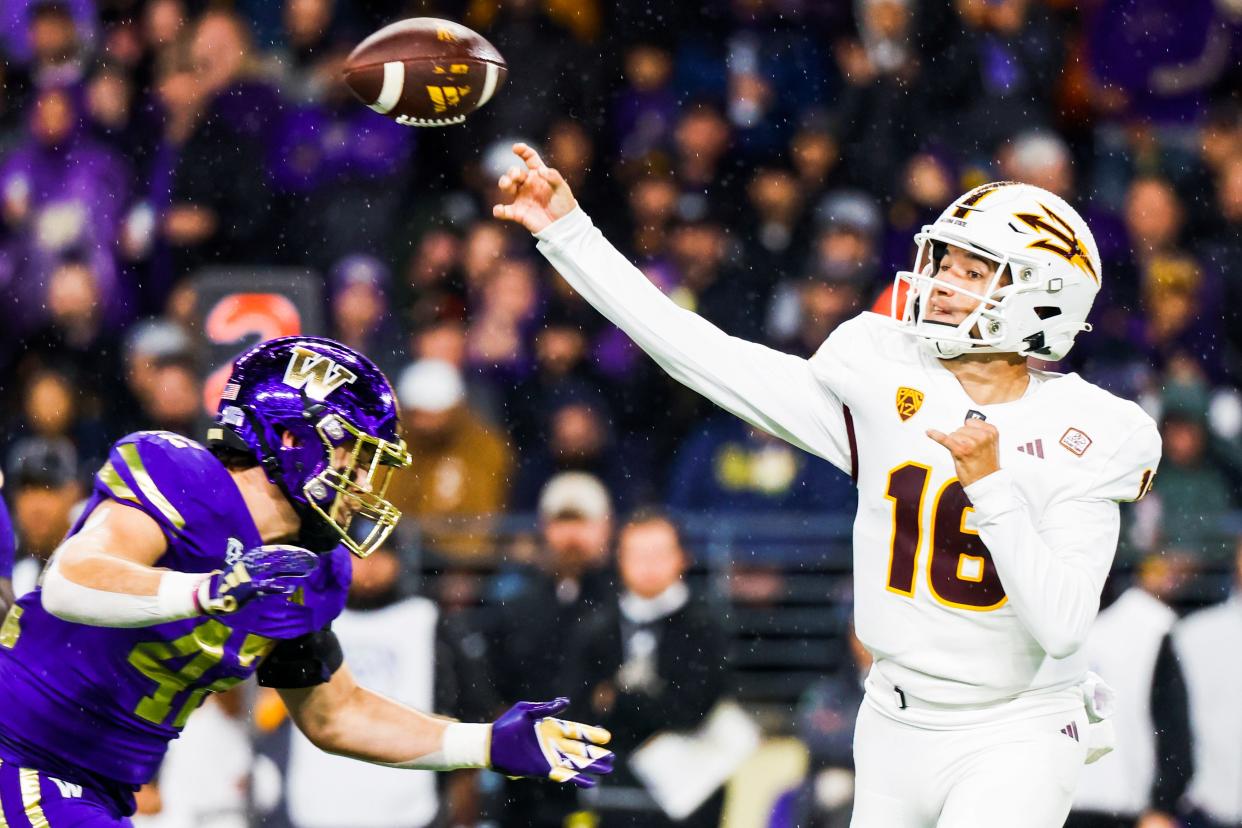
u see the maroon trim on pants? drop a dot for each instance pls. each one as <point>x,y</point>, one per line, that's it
<point>849,433</point>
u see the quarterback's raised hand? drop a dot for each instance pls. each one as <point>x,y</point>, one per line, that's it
<point>275,569</point>
<point>537,195</point>
<point>974,447</point>
<point>527,741</point>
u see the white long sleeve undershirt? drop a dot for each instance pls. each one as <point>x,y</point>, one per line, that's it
<point>1053,573</point>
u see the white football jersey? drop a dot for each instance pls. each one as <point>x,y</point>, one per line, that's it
<point>963,598</point>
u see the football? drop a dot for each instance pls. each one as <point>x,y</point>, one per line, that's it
<point>425,71</point>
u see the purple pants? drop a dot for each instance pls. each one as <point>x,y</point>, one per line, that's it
<point>32,799</point>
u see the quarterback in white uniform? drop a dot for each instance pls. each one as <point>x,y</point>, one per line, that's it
<point>987,509</point>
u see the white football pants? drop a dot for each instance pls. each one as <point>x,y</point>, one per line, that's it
<point>1014,765</point>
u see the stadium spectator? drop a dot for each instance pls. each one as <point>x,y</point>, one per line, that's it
<point>562,374</point>
<point>360,311</point>
<point>704,170</point>
<point>208,185</point>
<point>392,640</point>
<point>1194,493</point>
<point>526,643</point>
<point>727,467</point>
<point>42,486</point>
<point>460,468</point>
<point>883,103</point>
<point>63,196</point>
<point>76,333</point>
<point>309,37</point>
<point>778,214</point>
<point>52,409</point>
<point>997,74</point>
<point>645,108</point>
<point>826,716</point>
<point>1141,782</point>
<point>836,278</point>
<point>653,660</point>
<point>1157,74</point>
<point>1208,644</point>
<point>174,401</point>
<point>578,438</point>
<point>53,36</point>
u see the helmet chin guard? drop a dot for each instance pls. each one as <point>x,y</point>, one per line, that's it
<point>1045,278</point>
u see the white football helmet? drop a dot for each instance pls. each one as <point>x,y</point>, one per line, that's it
<point>1047,274</point>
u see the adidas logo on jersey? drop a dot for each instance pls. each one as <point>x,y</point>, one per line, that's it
<point>1035,449</point>
<point>1071,730</point>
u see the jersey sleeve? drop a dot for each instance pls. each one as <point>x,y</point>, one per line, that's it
<point>782,394</point>
<point>1128,474</point>
<point>162,474</point>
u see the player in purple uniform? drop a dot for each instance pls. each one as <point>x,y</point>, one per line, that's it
<point>192,568</point>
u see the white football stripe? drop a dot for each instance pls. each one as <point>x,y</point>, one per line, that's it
<point>394,85</point>
<point>489,85</point>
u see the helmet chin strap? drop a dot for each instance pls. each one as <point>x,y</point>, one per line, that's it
<point>314,533</point>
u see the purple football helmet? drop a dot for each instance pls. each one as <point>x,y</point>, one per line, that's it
<point>321,419</point>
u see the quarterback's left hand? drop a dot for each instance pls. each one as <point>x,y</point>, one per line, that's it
<point>527,741</point>
<point>974,447</point>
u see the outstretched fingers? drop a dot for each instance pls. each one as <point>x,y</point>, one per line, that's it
<point>528,154</point>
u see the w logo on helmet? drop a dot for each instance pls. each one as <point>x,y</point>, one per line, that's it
<point>316,373</point>
<point>1062,240</point>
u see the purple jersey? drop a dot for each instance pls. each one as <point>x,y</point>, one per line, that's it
<point>100,704</point>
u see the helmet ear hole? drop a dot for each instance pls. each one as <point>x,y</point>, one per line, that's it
<point>1047,311</point>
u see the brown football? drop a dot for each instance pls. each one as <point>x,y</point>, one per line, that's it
<point>425,71</point>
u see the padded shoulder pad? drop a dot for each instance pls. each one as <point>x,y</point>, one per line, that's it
<point>302,662</point>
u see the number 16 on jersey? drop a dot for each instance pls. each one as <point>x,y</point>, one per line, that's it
<point>960,571</point>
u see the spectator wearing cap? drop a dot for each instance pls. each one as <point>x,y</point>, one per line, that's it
<point>176,397</point>
<point>360,311</point>
<point>527,636</point>
<point>42,485</point>
<point>147,344</point>
<point>460,467</point>
<point>654,659</point>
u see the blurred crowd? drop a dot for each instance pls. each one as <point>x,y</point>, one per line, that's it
<point>765,162</point>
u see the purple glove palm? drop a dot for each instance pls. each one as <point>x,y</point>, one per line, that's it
<point>527,741</point>
<point>275,569</point>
